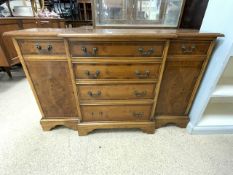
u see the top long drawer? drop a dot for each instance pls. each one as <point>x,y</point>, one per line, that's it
<point>115,49</point>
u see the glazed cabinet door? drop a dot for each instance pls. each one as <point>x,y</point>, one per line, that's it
<point>53,86</point>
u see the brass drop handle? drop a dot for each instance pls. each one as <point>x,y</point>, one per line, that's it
<point>85,52</point>
<point>84,49</point>
<point>140,94</point>
<point>94,75</point>
<point>94,51</point>
<point>138,114</point>
<point>149,52</point>
<point>50,47</point>
<point>91,94</point>
<point>186,49</point>
<point>38,47</point>
<point>146,74</point>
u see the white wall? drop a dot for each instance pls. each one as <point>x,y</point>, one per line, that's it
<point>218,18</point>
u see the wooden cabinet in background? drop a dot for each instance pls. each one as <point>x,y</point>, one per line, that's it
<point>29,23</point>
<point>8,55</point>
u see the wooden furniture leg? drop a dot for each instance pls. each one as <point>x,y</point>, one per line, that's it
<point>9,7</point>
<point>180,121</point>
<point>8,71</point>
<point>49,124</point>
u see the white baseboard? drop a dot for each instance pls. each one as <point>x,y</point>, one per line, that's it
<point>209,129</point>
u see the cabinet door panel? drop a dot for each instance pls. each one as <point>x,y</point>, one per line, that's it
<point>53,86</point>
<point>177,85</point>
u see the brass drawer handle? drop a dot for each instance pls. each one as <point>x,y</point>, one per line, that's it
<point>94,51</point>
<point>146,74</point>
<point>40,49</point>
<point>186,49</point>
<point>140,94</point>
<point>50,47</point>
<point>85,52</point>
<point>91,94</point>
<point>84,49</point>
<point>138,114</point>
<point>147,53</point>
<point>94,75</point>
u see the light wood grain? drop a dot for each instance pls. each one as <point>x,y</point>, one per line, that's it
<point>85,128</point>
<point>116,87</point>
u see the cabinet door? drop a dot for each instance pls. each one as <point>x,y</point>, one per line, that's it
<point>177,86</point>
<point>53,86</point>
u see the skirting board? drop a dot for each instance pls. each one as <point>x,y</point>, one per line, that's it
<point>209,129</point>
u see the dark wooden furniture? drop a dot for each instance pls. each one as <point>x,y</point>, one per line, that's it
<point>83,16</point>
<point>8,55</point>
<point>193,14</point>
<point>88,79</point>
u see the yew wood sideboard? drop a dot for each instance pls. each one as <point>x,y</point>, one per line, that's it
<point>88,79</point>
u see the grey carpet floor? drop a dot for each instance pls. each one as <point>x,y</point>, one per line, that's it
<point>26,150</point>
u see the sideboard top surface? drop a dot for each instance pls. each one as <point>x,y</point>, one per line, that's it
<point>90,32</point>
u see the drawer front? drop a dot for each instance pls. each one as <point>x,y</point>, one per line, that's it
<point>116,92</point>
<point>111,71</point>
<point>116,113</point>
<point>188,48</point>
<point>42,47</point>
<point>115,49</point>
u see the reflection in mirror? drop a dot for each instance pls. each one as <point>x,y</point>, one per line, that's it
<point>173,12</point>
<point>148,9</point>
<point>111,9</point>
<point>157,13</point>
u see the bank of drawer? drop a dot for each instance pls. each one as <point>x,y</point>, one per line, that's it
<point>117,71</point>
<point>116,49</point>
<point>42,47</point>
<point>188,48</point>
<point>116,113</point>
<point>116,92</point>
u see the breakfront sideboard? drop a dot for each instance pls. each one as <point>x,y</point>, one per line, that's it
<point>88,79</point>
